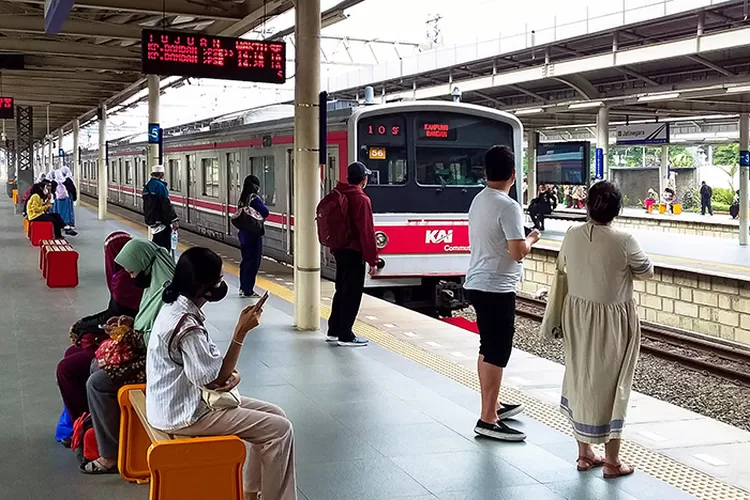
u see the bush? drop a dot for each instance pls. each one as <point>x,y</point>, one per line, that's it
<point>719,206</point>
<point>722,195</point>
<point>691,199</point>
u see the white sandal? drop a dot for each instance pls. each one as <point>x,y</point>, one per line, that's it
<point>96,467</point>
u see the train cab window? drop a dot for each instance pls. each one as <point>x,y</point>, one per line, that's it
<point>263,168</point>
<point>175,175</point>
<point>382,147</point>
<point>210,171</point>
<point>450,148</point>
<point>128,173</point>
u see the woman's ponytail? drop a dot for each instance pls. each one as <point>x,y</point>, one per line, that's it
<point>170,293</point>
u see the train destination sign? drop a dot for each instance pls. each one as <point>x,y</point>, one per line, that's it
<point>203,56</point>
<point>7,108</point>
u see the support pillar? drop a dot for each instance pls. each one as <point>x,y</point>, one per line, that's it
<point>306,168</point>
<point>602,137</point>
<point>76,158</point>
<point>60,136</point>
<point>50,165</point>
<point>24,148</point>
<point>153,119</point>
<point>531,161</point>
<point>664,169</point>
<point>744,176</point>
<point>103,181</point>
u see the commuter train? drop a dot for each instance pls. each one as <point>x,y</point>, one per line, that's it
<point>426,163</point>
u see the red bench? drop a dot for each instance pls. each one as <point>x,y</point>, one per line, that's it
<point>59,264</point>
<point>40,230</point>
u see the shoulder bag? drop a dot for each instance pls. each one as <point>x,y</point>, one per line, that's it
<point>551,327</point>
<point>246,218</point>
<point>214,400</point>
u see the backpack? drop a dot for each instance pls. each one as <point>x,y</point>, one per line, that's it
<point>332,218</point>
<point>84,439</point>
<point>246,218</point>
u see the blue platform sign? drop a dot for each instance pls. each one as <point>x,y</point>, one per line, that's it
<point>599,163</point>
<point>61,153</point>
<point>744,158</point>
<point>55,14</point>
<point>153,133</point>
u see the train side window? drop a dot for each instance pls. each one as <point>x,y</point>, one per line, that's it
<point>175,175</point>
<point>128,173</point>
<point>263,168</point>
<point>210,170</point>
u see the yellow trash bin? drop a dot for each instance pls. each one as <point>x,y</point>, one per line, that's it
<point>662,208</point>
<point>677,208</point>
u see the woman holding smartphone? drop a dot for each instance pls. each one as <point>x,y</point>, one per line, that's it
<point>182,362</point>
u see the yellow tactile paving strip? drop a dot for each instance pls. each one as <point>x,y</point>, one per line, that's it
<point>687,479</point>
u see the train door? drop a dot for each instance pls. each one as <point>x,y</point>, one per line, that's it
<point>192,188</point>
<point>288,214</point>
<point>234,187</point>
<point>329,181</point>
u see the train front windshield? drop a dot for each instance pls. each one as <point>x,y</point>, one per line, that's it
<point>427,162</point>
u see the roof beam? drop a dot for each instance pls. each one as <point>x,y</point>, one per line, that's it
<point>518,88</point>
<point>208,9</point>
<point>580,85</point>
<point>249,21</point>
<point>71,27</point>
<point>627,71</point>
<point>59,48</point>
<point>57,76</point>
<point>711,65</point>
<point>68,63</point>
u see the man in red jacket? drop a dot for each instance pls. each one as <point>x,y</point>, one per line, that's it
<point>350,261</point>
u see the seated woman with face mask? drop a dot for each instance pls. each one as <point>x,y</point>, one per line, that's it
<point>182,361</point>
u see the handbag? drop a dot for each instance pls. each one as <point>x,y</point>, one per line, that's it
<point>123,355</point>
<point>214,400</point>
<point>551,327</point>
<point>246,218</point>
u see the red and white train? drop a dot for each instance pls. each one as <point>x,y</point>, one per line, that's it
<point>426,159</point>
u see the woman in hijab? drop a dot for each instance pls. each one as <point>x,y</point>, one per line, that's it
<point>151,266</point>
<point>251,245</point>
<point>63,201</point>
<point>86,335</point>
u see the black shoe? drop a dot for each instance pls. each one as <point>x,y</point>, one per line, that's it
<point>66,442</point>
<point>71,232</point>
<point>508,411</point>
<point>354,342</point>
<point>498,431</point>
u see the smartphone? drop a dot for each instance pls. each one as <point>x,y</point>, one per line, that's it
<point>261,302</point>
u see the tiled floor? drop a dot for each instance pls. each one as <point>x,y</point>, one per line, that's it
<point>369,424</point>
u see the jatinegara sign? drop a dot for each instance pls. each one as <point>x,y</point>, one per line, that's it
<point>643,133</point>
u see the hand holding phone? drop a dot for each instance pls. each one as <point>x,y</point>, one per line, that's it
<point>250,317</point>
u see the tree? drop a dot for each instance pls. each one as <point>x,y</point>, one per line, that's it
<point>680,157</point>
<point>727,154</point>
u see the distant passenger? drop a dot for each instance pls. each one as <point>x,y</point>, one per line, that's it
<point>706,194</point>
<point>87,333</point>
<point>251,237</point>
<point>38,209</point>
<point>151,266</point>
<point>158,211</point>
<point>651,199</point>
<point>542,206</point>
<point>601,329</point>
<point>63,198</point>
<point>498,245</point>
<point>352,258</point>
<point>182,359</point>
<point>734,208</point>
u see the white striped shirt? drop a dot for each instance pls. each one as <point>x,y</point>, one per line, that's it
<point>173,397</point>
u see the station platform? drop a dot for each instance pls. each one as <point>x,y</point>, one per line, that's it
<point>691,217</point>
<point>694,253</point>
<point>393,420</point>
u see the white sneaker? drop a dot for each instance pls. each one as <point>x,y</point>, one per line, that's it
<point>332,338</point>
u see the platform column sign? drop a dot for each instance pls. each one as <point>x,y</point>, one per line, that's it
<point>744,158</point>
<point>599,164</point>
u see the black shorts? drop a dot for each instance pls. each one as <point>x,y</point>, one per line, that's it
<point>496,320</point>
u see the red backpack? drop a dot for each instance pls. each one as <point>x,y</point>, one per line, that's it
<point>332,218</point>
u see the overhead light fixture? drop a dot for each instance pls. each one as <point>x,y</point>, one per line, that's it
<point>740,88</point>
<point>586,104</point>
<point>528,111</point>
<point>658,97</point>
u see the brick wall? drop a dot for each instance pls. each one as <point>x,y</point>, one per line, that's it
<point>680,227</point>
<point>719,307</point>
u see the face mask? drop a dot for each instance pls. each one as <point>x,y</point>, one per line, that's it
<point>143,280</point>
<point>217,293</point>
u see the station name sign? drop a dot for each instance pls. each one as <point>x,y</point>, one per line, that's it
<point>643,133</point>
<point>7,108</point>
<point>179,53</point>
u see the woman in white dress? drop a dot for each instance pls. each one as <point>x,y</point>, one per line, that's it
<point>601,329</point>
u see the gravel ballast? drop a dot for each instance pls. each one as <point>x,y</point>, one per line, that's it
<point>705,394</point>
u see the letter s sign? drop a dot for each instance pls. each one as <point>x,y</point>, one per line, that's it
<point>153,133</point>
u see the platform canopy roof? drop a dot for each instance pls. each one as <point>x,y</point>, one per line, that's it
<point>95,58</point>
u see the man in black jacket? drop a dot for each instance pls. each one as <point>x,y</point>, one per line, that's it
<point>706,194</point>
<point>542,205</point>
<point>158,211</point>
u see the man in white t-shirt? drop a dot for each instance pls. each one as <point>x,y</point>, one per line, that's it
<point>498,245</point>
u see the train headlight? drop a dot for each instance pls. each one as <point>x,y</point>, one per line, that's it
<point>381,240</point>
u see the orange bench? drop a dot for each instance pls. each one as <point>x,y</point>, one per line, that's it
<point>178,468</point>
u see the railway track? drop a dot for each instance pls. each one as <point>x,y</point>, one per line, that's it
<point>696,352</point>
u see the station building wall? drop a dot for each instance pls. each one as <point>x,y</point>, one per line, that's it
<point>634,182</point>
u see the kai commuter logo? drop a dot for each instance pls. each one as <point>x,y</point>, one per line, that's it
<point>437,236</point>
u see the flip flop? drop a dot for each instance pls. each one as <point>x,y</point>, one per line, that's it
<point>622,470</point>
<point>95,467</point>
<point>587,463</point>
